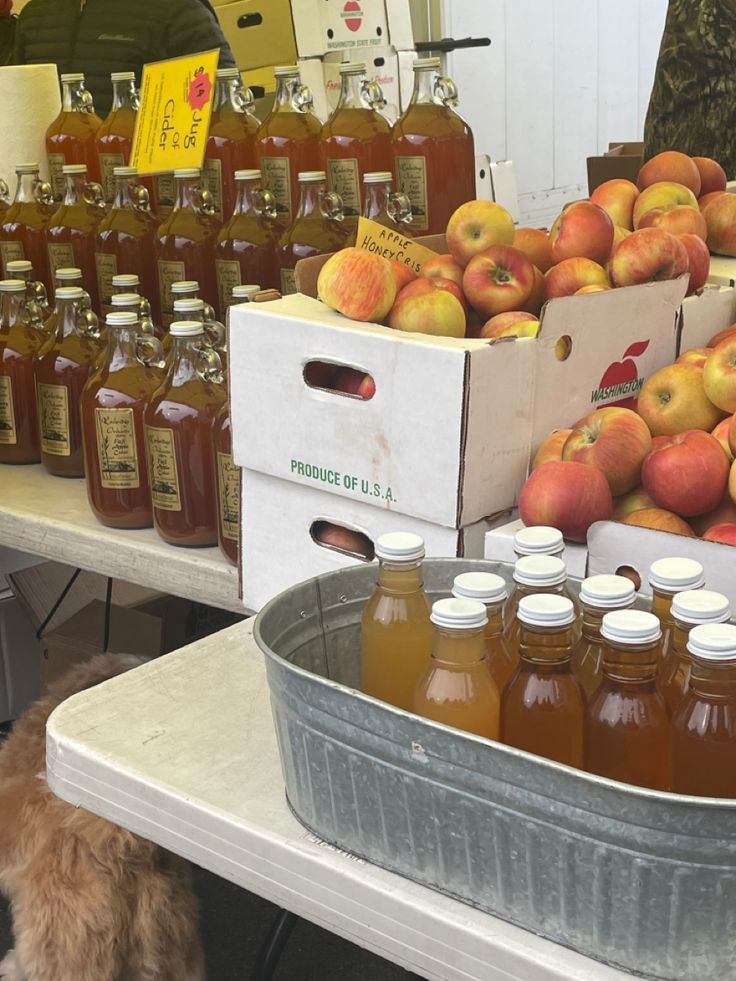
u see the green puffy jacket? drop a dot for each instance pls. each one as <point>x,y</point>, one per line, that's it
<point>102,36</point>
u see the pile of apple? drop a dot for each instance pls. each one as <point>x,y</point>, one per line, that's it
<point>494,280</point>
<point>669,465</point>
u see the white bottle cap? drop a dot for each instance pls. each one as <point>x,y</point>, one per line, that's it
<point>186,328</point>
<point>486,587</point>
<point>351,67</point>
<point>26,168</point>
<point>12,285</point>
<point>422,63</point>
<point>399,546</point>
<point>185,286</point>
<point>630,627</point>
<point>694,606</point>
<point>189,305</point>
<point>244,291</point>
<point>227,73</point>
<point>121,318</point>
<point>283,71</point>
<point>378,177</point>
<point>74,169</point>
<point>187,172</point>
<point>19,266</point>
<point>312,176</point>
<point>124,171</point>
<point>607,592</point>
<point>125,299</point>
<point>72,77</point>
<point>674,575</point>
<point>122,76</point>
<point>540,570</point>
<point>67,273</point>
<point>122,280</point>
<point>546,610</point>
<point>69,293</point>
<point>538,540</point>
<point>460,614</point>
<point>247,175</point>
<point>713,642</point>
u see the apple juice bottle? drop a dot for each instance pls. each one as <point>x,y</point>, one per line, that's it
<point>23,228</point>
<point>456,688</point>
<point>689,609</point>
<point>704,725</point>
<point>627,731</point>
<point>316,229</point>
<point>114,138</point>
<point>71,137</point>
<point>227,487</point>
<point>72,231</point>
<point>598,596</point>
<point>667,577</point>
<point>36,298</point>
<point>20,342</point>
<point>537,540</point>
<point>384,205</point>
<point>288,141</point>
<point>396,633</point>
<point>231,143</point>
<point>543,705</point>
<point>434,153</point>
<point>536,574</point>
<point>489,589</point>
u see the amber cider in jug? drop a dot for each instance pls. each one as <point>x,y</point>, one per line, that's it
<point>489,589</point>
<point>23,229</point>
<point>231,143</point>
<point>227,487</point>
<point>20,342</point>
<point>315,230</point>
<point>71,137</point>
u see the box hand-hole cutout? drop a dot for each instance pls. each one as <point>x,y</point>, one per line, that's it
<point>250,20</point>
<point>340,379</point>
<point>629,572</point>
<point>338,538</point>
<point>563,347</point>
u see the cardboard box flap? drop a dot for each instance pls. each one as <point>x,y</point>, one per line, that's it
<point>599,351</point>
<point>704,314</point>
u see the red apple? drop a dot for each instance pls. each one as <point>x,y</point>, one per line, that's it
<point>724,512</point>
<point>712,175</point>
<point>721,433</point>
<point>582,229</point>
<point>429,306</point>
<point>732,435</point>
<point>670,166</point>
<point>614,440</point>
<point>595,288</point>
<point>617,198</point>
<point>566,495</point>
<point>535,244</point>
<point>635,500</point>
<point>359,284</point>
<point>719,375</point>
<point>673,400</point>
<point>687,476</point>
<point>475,226</point>
<point>698,261</point>
<point>720,217</point>
<point>619,234</point>
<point>354,382</point>
<point>722,335</point>
<point>659,520</point>
<point>705,199</point>
<point>551,449</point>
<point>732,482</point>
<point>343,540</point>
<point>696,356</point>
<point>403,274</point>
<point>647,255</point>
<point>570,275</point>
<point>724,533</point>
<point>665,194</point>
<point>535,300</point>
<point>680,219</point>
<point>516,323</point>
<point>498,280</point>
<point>443,266</point>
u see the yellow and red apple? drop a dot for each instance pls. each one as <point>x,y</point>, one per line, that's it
<point>617,198</point>
<point>666,194</point>
<point>570,275</point>
<point>660,520</point>
<point>720,217</point>
<point>725,533</point>
<point>566,495</point>
<point>712,175</point>
<point>688,474</point>
<point>475,226</point>
<point>680,219</point>
<point>647,255</point>
<point>635,500</point>
<point>498,280</point>
<point>673,400</point>
<point>551,449</point>
<point>616,440</point>
<point>696,356</point>
<point>582,229</point>
<point>671,165</point>
<point>444,267</point>
<point>515,323</point>
<point>429,306</point>
<point>359,284</point>
<point>535,243</point>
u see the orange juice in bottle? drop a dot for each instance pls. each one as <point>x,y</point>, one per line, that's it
<point>288,140</point>
<point>356,139</point>
<point>434,153</point>
<point>489,589</point>
<point>227,487</point>
<point>396,633</point>
<point>23,228</point>
<point>689,608</point>
<point>112,406</point>
<point>536,540</point>
<point>704,725</point>
<point>543,705</point>
<point>627,731</point>
<point>536,574</point>
<point>72,232</point>
<point>315,230</point>
<point>456,688</point>
<point>61,371</point>
<point>20,342</point>
<point>231,143</point>
<point>598,596</point>
<point>70,139</point>
<point>667,577</point>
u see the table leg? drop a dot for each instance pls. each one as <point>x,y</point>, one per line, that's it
<point>273,946</point>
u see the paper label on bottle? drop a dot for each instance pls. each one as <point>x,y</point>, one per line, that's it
<point>344,178</point>
<point>61,256</point>
<point>108,161</point>
<point>212,182</point>
<point>116,448</point>
<point>228,276</point>
<point>56,175</point>
<point>411,175</point>
<point>276,176</point>
<point>162,470</point>
<point>10,252</point>
<point>107,267</point>
<point>8,435</point>
<point>228,485</point>
<point>165,195</point>
<point>372,236</point>
<point>53,412</point>
<point>169,272</point>
<point>288,282</point>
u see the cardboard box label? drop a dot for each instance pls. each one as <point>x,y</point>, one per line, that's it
<point>374,237</point>
<point>228,486</point>
<point>162,469</point>
<point>53,411</point>
<point>116,448</point>
<point>333,479</point>
<point>411,177</point>
<point>8,434</point>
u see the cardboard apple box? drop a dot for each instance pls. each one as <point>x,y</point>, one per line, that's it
<point>351,25</point>
<point>704,314</point>
<point>722,270</point>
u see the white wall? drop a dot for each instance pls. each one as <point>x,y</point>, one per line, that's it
<point>561,79</point>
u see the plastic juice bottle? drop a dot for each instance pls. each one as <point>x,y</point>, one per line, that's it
<point>112,406</point>
<point>315,230</point>
<point>231,143</point>
<point>489,589</point>
<point>456,688</point>
<point>704,725</point>
<point>536,574</point>
<point>356,139</point>
<point>384,205</point>
<point>396,633</point>
<point>433,150</point>
<point>227,487</point>
<point>61,371</point>
<point>71,138</point>
<point>125,238</point>
<point>543,705</point>
<point>20,342</point>
<point>288,140</point>
<point>537,540</point>
<point>689,609</point>
<point>178,428</point>
<point>598,596</point>
<point>72,231</point>
<point>114,139</point>
<point>23,229</point>
<point>666,578</point>
<point>247,246</point>
<point>185,242</point>
<point>627,731</point>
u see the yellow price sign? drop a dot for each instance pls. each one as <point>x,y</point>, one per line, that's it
<point>374,237</point>
<point>174,116</point>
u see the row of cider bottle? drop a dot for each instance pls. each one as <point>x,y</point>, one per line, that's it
<point>646,698</point>
<point>149,432</point>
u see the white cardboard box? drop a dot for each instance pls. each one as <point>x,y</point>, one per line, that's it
<point>722,270</point>
<point>355,25</point>
<point>704,314</point>
<point>499,547</point>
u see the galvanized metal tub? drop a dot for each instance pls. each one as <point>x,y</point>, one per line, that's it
<point>642,880</point>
